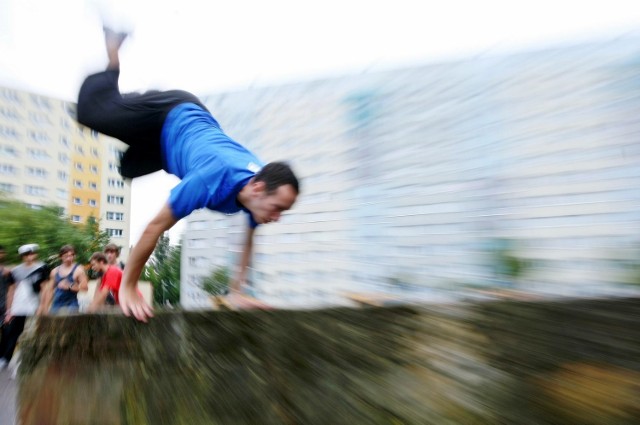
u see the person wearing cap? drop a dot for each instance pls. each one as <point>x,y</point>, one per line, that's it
<point>23,298</point>
<point>112,252</point>
<point>65,282</point>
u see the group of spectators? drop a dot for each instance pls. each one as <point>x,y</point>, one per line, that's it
<point>32,289</point>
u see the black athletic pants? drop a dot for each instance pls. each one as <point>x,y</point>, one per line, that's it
<point>10,334</point>
<point>134,118</point>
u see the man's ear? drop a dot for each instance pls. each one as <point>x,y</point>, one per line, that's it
<point>258,187</point>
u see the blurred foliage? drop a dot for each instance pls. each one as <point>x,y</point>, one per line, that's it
<point>217,283</point>
<point>48,228</point>
<point>633,269</point>
<point>163,271</point>
<point>511,265</point>
<point>507,264</point>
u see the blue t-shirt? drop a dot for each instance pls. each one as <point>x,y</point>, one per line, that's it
<point>213,167</point>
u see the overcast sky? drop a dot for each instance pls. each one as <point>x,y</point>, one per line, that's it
<point>206,46</point>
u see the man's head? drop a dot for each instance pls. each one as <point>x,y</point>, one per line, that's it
<point>67,254</point>
<point>29,252</point>
<point>112,251</point>
<point>98,262</point>
<point>271,192</point>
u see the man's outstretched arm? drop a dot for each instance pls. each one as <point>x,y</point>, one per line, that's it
<point>245,258</point>
<point>131,300</point>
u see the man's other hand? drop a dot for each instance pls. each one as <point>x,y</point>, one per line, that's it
<point>132,303</point>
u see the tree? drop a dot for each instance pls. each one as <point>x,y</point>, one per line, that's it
<point>163,271</point>
<point>49,229</point>
<point>508,266</point>
<point>218,282</point>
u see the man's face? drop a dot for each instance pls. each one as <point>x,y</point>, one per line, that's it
<point>95,266</point>
<point>111,255</point>
<point>68,257</point>
<point>29,257</point>
<point>268,207</point>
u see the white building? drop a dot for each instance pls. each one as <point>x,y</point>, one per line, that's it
<point>414,177</point>
<point>46,158</point>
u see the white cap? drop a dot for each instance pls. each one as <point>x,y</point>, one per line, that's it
<point>24,249</point>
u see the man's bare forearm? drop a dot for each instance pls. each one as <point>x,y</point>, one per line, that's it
<point>145,246</point>
<point>245,260</point>
<point>10,292</point>
<point>138,258</point>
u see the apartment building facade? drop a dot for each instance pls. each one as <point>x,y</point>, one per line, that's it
<point>46,158</point>
<point>415,178</point>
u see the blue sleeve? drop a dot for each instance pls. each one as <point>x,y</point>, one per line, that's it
<point>189,195</point>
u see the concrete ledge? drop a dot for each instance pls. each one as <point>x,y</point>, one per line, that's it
<point>517,362</point>
<point>238,302</point>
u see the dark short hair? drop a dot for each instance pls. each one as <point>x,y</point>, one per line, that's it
<point>99,257</point>
<point>276,174</point>
<point>67,248</point>
<point>112,247</point>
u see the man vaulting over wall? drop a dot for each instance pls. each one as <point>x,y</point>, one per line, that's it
<point>174,131</point>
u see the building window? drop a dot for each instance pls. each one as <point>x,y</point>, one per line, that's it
<point>118,200</point>
<point>62,193</point>
<point>94,152</point>
<point>94,169</point>
<point>79,166</point>
<point>38,154</point>
<point>116,183</point>
<point>10,95</point>
<point>114,167</point>
<point>77,201</point>
<point>9,113</point>
<point>8,132</point>
<point>63,158</point>
<point>41,102</point>
<point>93,202</point>
<point>8,151</point>
<point>198,225</point>
<point>63,176</point>
<point>37,172</point>
<point>7,187</point>
<point>38,136</point>
<point>116,216</point>
<point>93,185</point>
<point>39,118</point>
<point>8,170</point>
<point>197,243</point>
<point>114,233</point>
<point>75,218</point>
<point>35,190</point>
<point>77,184</point>
<point>198,261</point>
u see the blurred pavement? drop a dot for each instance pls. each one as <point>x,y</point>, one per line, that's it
<point>8,391</point>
